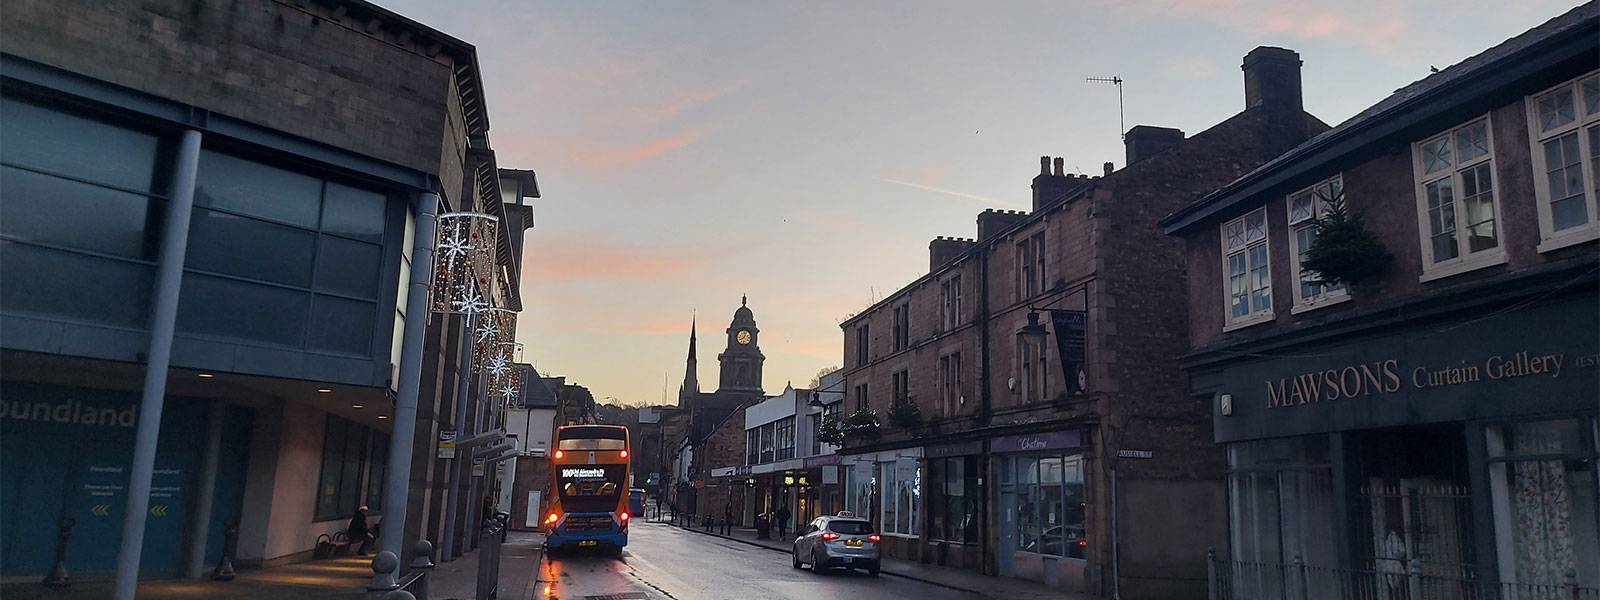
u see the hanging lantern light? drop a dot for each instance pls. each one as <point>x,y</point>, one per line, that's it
<point>463,263</point>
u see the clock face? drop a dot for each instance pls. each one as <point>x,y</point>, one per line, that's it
<point>744,337</point>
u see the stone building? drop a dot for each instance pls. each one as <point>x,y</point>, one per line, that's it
<point>1032,420</point>
<point>701,413</point>
<point>307,136</point>
<point>1436,416</point>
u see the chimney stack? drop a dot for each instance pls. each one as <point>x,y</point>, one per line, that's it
<point>1048,187</point>
<point>992,221</point>
<point>943,249</point>
<point>1144,141</point>
<point>1272,79</point>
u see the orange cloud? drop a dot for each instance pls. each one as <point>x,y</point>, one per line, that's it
<point>939,190</point>
<point>604,159</point>
<point>661,114</point>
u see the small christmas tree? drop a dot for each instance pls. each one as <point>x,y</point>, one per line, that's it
<point>1343,250</point>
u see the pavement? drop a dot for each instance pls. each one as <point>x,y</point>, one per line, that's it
<point>947,577</point>
<point>342,578</point>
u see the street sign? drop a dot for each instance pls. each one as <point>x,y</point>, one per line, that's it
<point>447,443</point>
<point>477,468</point>
<point>1135,454</point>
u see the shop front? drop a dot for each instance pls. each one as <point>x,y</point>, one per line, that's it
<point>886,487</point>
<point>1464,452</point>
<point>1042,534</point>
<point>955,504</point>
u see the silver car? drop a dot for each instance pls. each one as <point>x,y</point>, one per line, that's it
<point>837,541</point>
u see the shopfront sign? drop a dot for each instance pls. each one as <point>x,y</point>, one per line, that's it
<point>947,450</point>
<point>1050,440</point>
<point>1535,360</point>
<point>821,461</point>
<point>731,471</point>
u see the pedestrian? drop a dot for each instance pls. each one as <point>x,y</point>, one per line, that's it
<point>783,520</point>
<point>359,531</point>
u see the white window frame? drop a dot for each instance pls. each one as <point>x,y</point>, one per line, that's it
<point>1318,195</point>
<point>1255,315</point>
<point>1465,259</point>
<point>1549,238</point>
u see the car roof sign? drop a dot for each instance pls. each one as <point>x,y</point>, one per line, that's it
<point>846,514</point>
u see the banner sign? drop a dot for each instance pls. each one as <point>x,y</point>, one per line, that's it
<point>1071,327</point>
<point>822,461</point>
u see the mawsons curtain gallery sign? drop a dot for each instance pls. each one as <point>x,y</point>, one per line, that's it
<point>1388,377</point>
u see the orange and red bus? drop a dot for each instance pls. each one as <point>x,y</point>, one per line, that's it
<point>591,476</point>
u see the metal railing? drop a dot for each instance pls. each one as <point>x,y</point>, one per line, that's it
<point>1406,580</point>
<point>489,544</point>
<point>413,586</point>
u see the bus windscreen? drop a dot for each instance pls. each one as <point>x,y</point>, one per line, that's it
<point>590,488</point>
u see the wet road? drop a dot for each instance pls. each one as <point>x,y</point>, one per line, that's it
<point>663,562</point>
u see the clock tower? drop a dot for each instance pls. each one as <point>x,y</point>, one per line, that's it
<point>741,362</point>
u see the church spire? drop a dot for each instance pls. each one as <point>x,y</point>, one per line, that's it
<point>691,381</point>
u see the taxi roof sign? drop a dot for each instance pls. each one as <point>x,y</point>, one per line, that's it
<point>845,513</point>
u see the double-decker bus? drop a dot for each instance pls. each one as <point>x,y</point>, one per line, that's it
<point>590,507</point>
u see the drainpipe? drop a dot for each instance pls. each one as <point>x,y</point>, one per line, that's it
<point>402,441</point>
<point>1116,580</point>
<point>464,367</point>
<point>983,336</point>
<point>163,320</point>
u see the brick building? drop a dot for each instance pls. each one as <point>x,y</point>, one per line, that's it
<point>1436,417</point>
<point>1059,449</point>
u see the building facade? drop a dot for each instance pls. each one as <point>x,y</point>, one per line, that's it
<point>308,135</point>
<point>1436,417</point>
<point>700,414</point>
<point>1030,417</point>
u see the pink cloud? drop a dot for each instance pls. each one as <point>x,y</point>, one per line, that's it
<point>1378,25</point>
<point>605,158</point>
<point>557,258</point>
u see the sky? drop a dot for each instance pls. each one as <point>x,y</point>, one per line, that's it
<point>805,153</point>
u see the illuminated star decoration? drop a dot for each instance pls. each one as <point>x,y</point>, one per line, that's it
<point>488,331</point>
<point>470,302</point>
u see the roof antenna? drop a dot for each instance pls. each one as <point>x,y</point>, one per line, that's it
<point>1117,81</point>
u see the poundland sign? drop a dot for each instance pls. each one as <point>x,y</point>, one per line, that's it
<point>70,412</point>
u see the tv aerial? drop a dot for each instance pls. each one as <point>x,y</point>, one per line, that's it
<point>1117,81</point>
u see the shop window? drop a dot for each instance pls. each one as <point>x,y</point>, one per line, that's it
<point>953,506</point>
<point>1281,502</point>
<point>1050,505</point>
<point>1543,491</point>
<point>1564,123</point>
<point>901,482</point>
<point>752,446</point>
<point>345,456</point>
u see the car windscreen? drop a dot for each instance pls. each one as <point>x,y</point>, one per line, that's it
<point>850,527</point>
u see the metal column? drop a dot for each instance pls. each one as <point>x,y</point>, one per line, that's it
<point>200,525</point>
<point>396,491</point>
<point>450,548</point>
<point>163,319</point>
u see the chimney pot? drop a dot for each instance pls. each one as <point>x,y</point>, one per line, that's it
<point>1109,167</point>
<point>1058,166</point>
<point>1044,165</point>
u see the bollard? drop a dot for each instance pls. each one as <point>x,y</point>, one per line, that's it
<point>58,573</point>
<point>422,565</point>
<point>398,595</point>
<point>230,544</point>
<point>383,568</point>
<point>1572,584</point>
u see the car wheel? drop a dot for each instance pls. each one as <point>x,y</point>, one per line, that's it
<point>794,558</point>
<point>816,565</point>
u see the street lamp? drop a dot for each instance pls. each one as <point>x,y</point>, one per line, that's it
<point>1033,332</point>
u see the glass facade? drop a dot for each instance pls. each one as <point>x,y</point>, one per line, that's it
<point>901,482</point>
<point>1280,494</point>
<point>274,258</point>
<point>82,197</point>
<point>1049,503</point>
<point>954,499</point>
